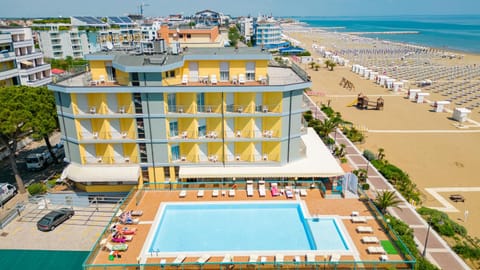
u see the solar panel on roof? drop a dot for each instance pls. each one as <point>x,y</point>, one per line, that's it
<point>126,19</point>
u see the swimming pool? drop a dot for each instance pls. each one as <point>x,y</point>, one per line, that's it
<point>231,227</point>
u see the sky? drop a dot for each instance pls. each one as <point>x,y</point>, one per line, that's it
<point>66,8</point>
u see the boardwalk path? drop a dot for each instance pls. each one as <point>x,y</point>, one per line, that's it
<point>438,250</point>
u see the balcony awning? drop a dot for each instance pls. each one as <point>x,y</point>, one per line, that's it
<point>105,173</point>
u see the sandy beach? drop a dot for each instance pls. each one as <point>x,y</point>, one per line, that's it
<point>429,146</point>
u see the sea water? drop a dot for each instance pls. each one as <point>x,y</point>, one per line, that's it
<point>453,32</point>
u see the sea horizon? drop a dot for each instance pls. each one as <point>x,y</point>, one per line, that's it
<point>449,32</point>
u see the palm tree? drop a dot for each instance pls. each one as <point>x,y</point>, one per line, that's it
<point>327,126</point>
<point>327,63</point>
<point>385,199</point>
<point>381,153</point>
<point>312,64</point>
<point>332,65</point>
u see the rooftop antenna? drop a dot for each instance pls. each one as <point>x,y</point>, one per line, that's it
<point>141,6</point>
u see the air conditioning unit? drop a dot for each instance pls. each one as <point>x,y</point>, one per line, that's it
<point>93,110</point>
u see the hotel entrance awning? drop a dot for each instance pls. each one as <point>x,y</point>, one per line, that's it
<point>91,173</point>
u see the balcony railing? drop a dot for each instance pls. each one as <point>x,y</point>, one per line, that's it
<point>105,159</point>
<point>103,109</point>
<point>95,135</point>
<point>232,108</point>
<point>214,158</point>
<point>214,134</point>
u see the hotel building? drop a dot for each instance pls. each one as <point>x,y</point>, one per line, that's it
<point>20,62</point>
<point>207,114</point>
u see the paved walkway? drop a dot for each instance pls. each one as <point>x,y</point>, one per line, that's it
<point>438,251</point>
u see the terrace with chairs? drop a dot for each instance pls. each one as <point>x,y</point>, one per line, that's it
<point>368,248</point>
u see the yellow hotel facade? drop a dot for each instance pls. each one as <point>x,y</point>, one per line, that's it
<point>206,114</point>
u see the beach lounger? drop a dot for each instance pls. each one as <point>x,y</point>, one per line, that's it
<point>227,258</point>
<point>376,250</point>
<point>364,229</point>
<point>279,259</point>
<point>274,190</point>
<point>116,247</point>
<point>383,258</point>
<point>215,193</point>
<point>370,239</point>
<point>203,259</point>
<point>355,214</point>
<point>335,258</point>
<point>261,189</point>
<point>231,193</point>
<point>310,257</point>
<point>253,259</point>
<point>249,190</point>
<point>359,219</point>
<point>263,259</point>
<point>137,213</point>
<point>200,193</point>
<point>289,193</point>
<point>182,194</point>
<point>179,259</point>
<point>303,192</point>
<point>297,259</point>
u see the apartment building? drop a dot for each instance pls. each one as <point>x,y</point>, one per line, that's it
<point>267,33</point>
<point>204,115</point>
<point>20,62</point>
<point>187,36</point>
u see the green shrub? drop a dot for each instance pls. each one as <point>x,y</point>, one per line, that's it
<point>37,188</point>
<point>52,182</point>
<point>369,155</point>
<point>442,223</point>
<point>467,251</point>
<point>328,141</point>
<point>327,110</point>
<point>365,186</point>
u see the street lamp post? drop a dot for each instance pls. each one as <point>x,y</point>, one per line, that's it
<point>426,240</point>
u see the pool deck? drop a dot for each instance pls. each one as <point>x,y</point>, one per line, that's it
<point>316,204</point>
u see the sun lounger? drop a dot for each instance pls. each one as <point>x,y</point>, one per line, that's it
<point>383,258</point>
<point>215,193</point>
<point>137,213</point>
<point>359,219</point>
<point>263,259</point>
<point>182,194</point>
<point>289,193</point>
<point>249,189</point>
<point>297,259</point>
<point>203,259</point>
<point>364,229</point>
<point>227,259</point>
<point>231,193</point>
<point>278,258</point>
<point>163,261</point>
<point>274,190</point>
<point>355,214</point>
<point>376,250</point>
<point>303,192</point>
<point>335,258</point>
<point>370,239</point>
<point>200,193</point>
<point>116,247</point>
<point>253,259</point>
<point>261,189</point>
<point>310,257</point>
<point>179,259</point>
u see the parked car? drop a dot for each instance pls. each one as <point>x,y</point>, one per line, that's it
<point>7,191</point>
<point>38,161</point>
<point>56,217</point>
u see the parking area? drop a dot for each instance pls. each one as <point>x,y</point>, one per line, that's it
<point>78,233</point>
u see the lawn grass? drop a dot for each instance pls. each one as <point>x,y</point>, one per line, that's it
<point>388,246</point>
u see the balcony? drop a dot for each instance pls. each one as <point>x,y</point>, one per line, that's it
<point>22,43</point>
<point>212,135</point>
<point>95,135</point>
<point>31,69</point>
<point>30,56</point>
<point>40,82</point>
<point>7,74</point>
<point>7,56</point>
<point>105,159</point>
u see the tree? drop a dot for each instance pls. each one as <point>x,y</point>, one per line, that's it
<point>327,63</point>
<point>381,153</point>
<point>15,122</point>
<point>233,36</point>
<point>385,199</point>
<point>312,65</point>
<point>45,120</point>
<point>332,65</point>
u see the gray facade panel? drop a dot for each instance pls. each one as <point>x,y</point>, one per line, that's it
<point>155,103</point>
<point>160,153</point>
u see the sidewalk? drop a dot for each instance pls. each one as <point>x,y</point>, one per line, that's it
<point>438,251</point>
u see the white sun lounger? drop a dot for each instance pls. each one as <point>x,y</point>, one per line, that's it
<point>370,239</point>
<point>297,259</point>
<point>376,250</point>
<point>182,194</point>
<point>253,259</point>
<point>215,193</point>
<point>179,259</point>
<point>227,258</point>
<point>310,257</point>
<point>261,189</point>
<point>359,219</point>
<point>303,192</point>
<point>203,259</point>
<point>249,190</point>
<point>200,193</point>
<point>279,258</point>
<point>335,258</point>
<point>364,229</point>
<point>231,193</point>
<point>383,258</point>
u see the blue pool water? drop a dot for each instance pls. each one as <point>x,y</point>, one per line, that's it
<point>243,227</point>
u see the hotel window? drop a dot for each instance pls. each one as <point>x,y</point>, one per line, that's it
<point>172,102</point>
<point>202,127</point>
<point>201,102</point>
<point>175,152</point>
<point>170,74</point>
<point>224,71</point>
<point>173,128</point>
<point>143,152</point>
<point>189,35</point>
<point>250,71</point>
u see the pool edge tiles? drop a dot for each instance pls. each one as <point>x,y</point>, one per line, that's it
<point>300,209</point>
